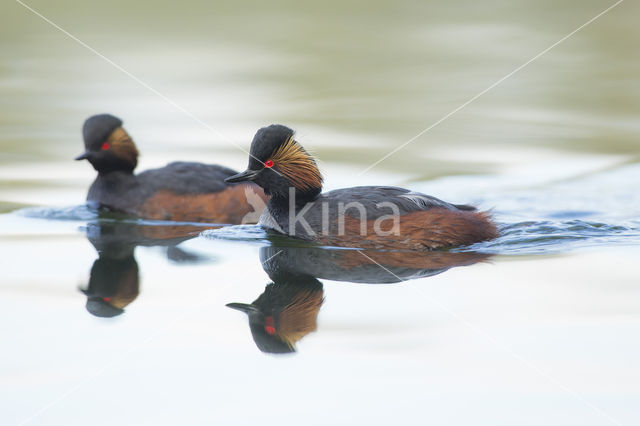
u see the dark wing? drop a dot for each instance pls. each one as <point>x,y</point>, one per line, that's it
<point>187,178</point>
<point>377,200</point>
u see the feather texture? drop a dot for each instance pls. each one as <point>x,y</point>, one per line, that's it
<point>122,146</point>
<point>297,165</point>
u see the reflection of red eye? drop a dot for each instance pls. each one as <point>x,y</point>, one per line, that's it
<point>268,164</point>
<point>268,325</point>
<point>106,299</point>
<point>105,146</point>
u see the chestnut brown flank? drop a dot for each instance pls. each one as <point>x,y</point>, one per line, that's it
<point>227,206</point>
<point>423,230</point>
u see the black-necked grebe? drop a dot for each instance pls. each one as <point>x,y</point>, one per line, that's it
<point>365,216</point>
<point>180,191</point>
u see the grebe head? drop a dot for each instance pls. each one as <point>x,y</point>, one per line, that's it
<point>278,162</point>
<point>285,313</point>
<point>108,147</point>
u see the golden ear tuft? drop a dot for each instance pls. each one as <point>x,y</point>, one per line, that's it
<point>122,145</point>
<point>297,165</point>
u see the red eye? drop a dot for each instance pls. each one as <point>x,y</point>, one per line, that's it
<point>105,146</point>
<point>106,299</point>
<point>268,164</point>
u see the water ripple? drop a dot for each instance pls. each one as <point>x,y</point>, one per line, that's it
<point>533,237</point>
<point>527,237</point>
<point>73,213</point>
<point>248,233</point>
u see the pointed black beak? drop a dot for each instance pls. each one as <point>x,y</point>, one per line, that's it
<point>85,155</point>
<point>243,307</point>
<point>243,176</point>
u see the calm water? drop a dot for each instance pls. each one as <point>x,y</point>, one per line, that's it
<point>537,327</point>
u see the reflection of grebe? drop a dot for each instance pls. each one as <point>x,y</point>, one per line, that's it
<point>288,308</point>
<point>285,313</point>
<point>113,284</point>
<point>282,167</point>
<point>114,279</point>
<point>180,191</point>
<point>358,266</point>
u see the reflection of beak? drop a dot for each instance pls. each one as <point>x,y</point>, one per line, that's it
<point>246,175</point>
<point>242,307</point>
<point>85,155</point>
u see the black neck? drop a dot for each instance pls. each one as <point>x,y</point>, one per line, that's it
<point>110,165</point>
<point>301,198</point>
